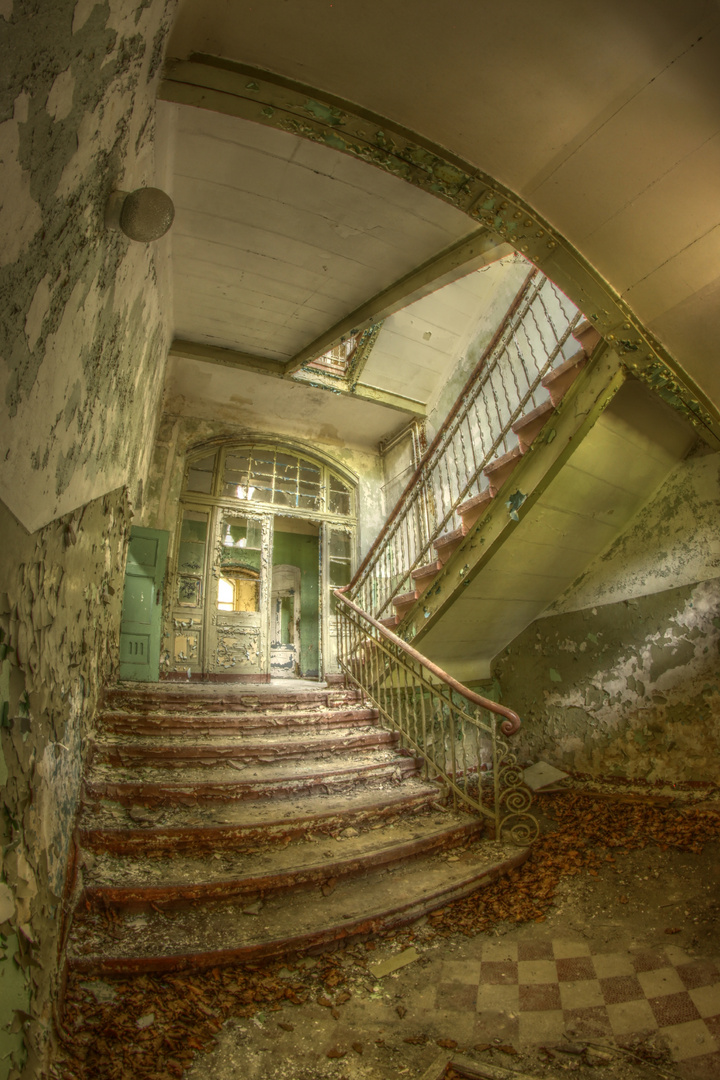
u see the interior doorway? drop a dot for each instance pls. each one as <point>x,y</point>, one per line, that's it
<point>294,599</point>
<point>285,617</point>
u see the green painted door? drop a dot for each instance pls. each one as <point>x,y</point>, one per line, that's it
<point>141,625</point>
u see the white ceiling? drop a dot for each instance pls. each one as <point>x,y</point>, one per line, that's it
<point>605,117</point>
<point>275,238</point>
<point>419,346</point>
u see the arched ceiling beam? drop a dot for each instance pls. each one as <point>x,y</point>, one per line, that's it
<point>260,96</point>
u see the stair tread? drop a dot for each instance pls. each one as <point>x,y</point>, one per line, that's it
<point>220,695</point>
<point>530,417</point>
<point>485,496</point>
<point>318,712</point>
<point>428,570</point>
<point>219,930</point>
<point>218,742</point>
<point>450,537</point>
<point>505,459</point>
<point>327,855</point>
<point>404,598</point>
<point>247,775</point>
<point>284,811</point>
<point>577,358</point>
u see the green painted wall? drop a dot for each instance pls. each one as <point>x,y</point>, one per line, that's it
<point>296,549</point>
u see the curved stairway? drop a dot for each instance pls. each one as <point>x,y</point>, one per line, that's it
<point>221,827</point>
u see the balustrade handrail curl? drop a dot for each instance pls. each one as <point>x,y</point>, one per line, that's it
<point>512,721</point>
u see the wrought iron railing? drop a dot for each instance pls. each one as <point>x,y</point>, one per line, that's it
<point>535,334</point>
<point>459,735</point>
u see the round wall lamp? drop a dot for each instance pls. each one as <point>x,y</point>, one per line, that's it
<point>144,214</point>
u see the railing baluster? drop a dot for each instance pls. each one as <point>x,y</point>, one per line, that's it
<point>477,428</point>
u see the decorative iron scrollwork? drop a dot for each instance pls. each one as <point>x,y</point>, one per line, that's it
<point>513,799</point>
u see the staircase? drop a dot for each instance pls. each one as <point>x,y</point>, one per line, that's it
<point>585,461</point>
<point>584,467</point>
<point>221,827</point>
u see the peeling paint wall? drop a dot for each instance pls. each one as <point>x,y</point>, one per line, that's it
<point>622,674</point>
<point>674,540</point>
<point>629,689</point>
<point>83,334</point>
<point>83,342</point>
<point>60,598</point>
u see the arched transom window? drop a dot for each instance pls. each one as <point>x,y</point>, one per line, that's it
<point>271,476</point>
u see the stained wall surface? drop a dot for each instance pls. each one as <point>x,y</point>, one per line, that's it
<point>84,338</point>
<point>60,596</point>
<point>623,675</point>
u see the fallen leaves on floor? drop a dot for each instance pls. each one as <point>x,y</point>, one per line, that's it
<point>155,1025</point>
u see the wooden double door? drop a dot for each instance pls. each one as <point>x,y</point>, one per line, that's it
<point>238,616</point>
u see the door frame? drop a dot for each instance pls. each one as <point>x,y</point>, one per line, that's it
<point>212,578</point>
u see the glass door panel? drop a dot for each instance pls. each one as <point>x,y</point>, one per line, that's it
<point>338,567</point>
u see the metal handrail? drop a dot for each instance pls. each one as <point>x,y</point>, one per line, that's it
<point>531,337</point>
<point>512,721</point>
<point>452,730</point>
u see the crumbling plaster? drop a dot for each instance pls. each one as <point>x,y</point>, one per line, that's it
<point>629,689</point>
<point>622,675</point>
<point>674,540</point>
<point>83,340</point>
<point>84,332</point>
<point>60,598</point>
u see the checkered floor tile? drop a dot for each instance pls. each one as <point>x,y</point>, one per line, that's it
<point>537,992</point>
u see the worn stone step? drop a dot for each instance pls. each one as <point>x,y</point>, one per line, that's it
<point>446,544</point>
<point>139,723</point>
<point>500,470</point>
<point>149,785</point>
<point>472,509</point>
<point>424,576</point>
<point>528,427</point>
<point>558,381</point>
<point>165,827</point>
<point>403,603</point>
<point>219,697</point>
<point>207,935</point>
<point>173,881</point>
<point>183,749</point>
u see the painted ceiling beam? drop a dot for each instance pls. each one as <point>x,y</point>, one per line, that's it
<point>262,365</point>
<point>214,354</point>
<point>471,253</point>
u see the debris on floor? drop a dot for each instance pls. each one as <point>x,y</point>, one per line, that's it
<point>252,1021</point>
<point>541,775</point>
<point>394,963</point>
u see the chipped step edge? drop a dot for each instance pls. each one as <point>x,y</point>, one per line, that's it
<point>126,841</point>
<point>289,880</point>
<point>380,922</point>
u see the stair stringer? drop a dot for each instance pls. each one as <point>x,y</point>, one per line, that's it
<point>499,579</point>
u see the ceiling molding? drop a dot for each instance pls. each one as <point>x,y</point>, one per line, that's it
<point>285,105</point>
<point>275,369</point>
